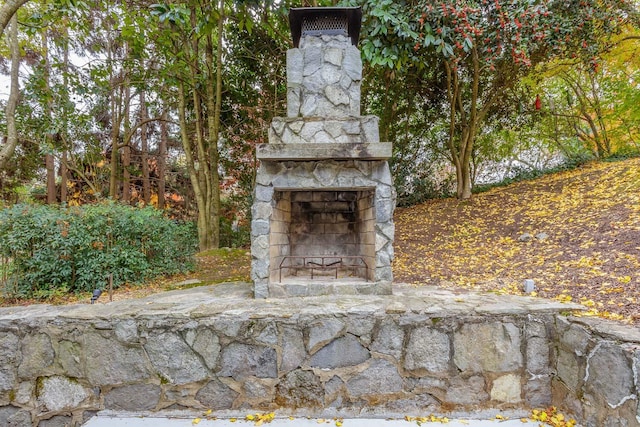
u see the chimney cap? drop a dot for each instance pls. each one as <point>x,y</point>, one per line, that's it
<point>325,20</point>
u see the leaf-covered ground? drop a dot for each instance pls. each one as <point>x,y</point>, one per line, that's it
<point>575,233</point>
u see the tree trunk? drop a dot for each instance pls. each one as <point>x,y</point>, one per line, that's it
<point>8,11</point>
<point>214,104</point>
<point>203,219</point>
<point>162,160</point>
<point>48,158</point>
<point>63,178</point>
<point>126,149</point>
<point>64,170</point>
<point>11,141</point>
<point>144,148</point>
<point>51,179</point>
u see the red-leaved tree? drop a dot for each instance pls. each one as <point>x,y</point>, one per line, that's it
<point>479,49</point>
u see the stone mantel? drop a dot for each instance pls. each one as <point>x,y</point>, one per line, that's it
<point>319,151</point>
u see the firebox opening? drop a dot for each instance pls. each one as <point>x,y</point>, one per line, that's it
<point>324,235</point>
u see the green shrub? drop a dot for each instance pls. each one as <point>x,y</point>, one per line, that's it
<point>53,249</point>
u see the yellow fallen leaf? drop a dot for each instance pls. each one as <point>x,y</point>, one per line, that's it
<point>196,421</point>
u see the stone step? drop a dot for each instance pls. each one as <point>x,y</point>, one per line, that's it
<point>133,421</point>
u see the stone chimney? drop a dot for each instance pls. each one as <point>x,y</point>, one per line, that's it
<point>322,219</point>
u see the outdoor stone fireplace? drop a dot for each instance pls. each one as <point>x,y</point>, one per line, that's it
<point>322,218</point>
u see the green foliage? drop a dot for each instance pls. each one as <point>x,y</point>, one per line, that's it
<point>54,250</point>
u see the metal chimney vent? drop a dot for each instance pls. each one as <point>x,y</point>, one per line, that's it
<point>315,21</point>
<point>333,25</point>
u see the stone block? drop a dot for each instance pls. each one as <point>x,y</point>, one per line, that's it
<point>352,63</point>
<point>576,338</point>
<point>228,325</point>
<point>24,393</point>
<point>610,374</point>
<point>216,395</point>
<point>37,356</point>
<point>488,347</point>
<point>300,389</point>
<point>381,377</point>
<point>466,391</point>
<point>309,105</point>
<point>109,362</point>
<point>331,75</point>
<point>507,388</point>
<point>381,241</point>
<point>59,393</point>
<point>333,56</point>
<point>69,358</point>
<point>568,369</point>
<point>277,127</point>
<point>257,390</point>
<point>384,274</point>
<point>339,353</point>
<point>535,328</point>
<point>361,325</point>
<point>537,355</point>
<point>295,64</point>
<point>263,193</point>
<point>135,397</point>
<point>389,339</point>
<point>206,344</point>
<point>261,211</point>
<point>312,60</point>
<point>244,360</point>
<point>174,359</point>
<point>127,331</point>
<point>324,331</point>
<point>384,210</point>
<point>259,269</point>
<point>9,353</point>
<point>309,131</point>
<point>260,246</point>
<point>313,85</point>
<point>428,349</point>
<point>268,334</point>
<point>537,392</point>
<point>336,95</point>
<point>259,227</point>
<point>293,353</point>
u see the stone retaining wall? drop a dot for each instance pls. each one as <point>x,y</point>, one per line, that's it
<point>598,371</point>
<point>409,353</point>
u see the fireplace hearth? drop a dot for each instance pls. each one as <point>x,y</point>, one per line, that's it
<point>322,218</point>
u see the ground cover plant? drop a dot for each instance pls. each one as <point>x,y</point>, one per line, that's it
<point>49,250</point>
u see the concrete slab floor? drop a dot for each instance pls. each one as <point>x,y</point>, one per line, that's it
<point>139,421</point>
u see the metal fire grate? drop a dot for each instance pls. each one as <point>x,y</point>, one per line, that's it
<point>316,25</point>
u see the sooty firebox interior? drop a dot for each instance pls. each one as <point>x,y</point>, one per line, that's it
<point>327,233</point>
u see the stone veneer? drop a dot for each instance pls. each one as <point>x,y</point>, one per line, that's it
<point>354,175</point>
<point>415,352</point>
<point>323,146</point>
